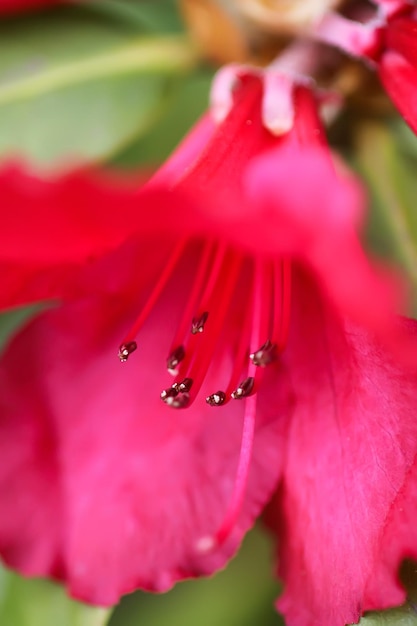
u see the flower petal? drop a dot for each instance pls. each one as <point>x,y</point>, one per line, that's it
<point>351,449</point>
<point>101,484</point>
<point>50,227</point>
<point>401,37</point>
<point>399,79</point>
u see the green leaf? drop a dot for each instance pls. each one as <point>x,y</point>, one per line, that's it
<point>401,616</point>
<point>157,15</point>
<point>393,187</point>
<point>76,86</point>
<point>11,321</point>
<point>188,103</point>
<point>241,595</point>
<point>40,603</point>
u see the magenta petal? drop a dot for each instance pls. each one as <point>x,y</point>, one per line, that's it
<point>310,212</point>
<point>351,450</point>
<point>52,227</point>
<point>101,484</point>
<point>401,37</point>
<point>400,79</point>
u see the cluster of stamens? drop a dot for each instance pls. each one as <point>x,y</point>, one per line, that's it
<point>263,288</point>
<point>215,284</point>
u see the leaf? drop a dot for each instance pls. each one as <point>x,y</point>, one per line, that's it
<point>77,86</point>
<point>401,616</point>
<point>393,186</point>
<point>241,595</point>
<point>10,322</point>
<point>189,102</point>
<point>39,603</point>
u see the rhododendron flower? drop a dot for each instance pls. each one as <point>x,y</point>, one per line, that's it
<point>388,42</point>
<point>252,323</point>
<point>398,64</point>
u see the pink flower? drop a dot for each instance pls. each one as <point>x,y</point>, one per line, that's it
<point>252,240</point>
<point>397,66</point>
<point>388,43</point>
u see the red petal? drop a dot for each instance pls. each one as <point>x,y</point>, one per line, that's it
<point>351,451</point>
<point>401,37</point>
<point>400,79</point>
<point>101,484</point>
<point>51,227</point>
<point>309,212</point>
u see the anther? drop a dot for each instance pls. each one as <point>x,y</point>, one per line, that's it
<point>175,399</point>
<point>180,402</point>
<point>216,399</point>
<point>175,359</point>
<point>126,349</point>
<point>170,392</point>
<point>265,354</point>
<point>185,385</point>
<point>244,390</point>
<point>198,323</point>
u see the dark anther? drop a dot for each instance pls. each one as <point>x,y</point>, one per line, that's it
<point>197,325</point>
<point>244,390</point>
<point>126,349</point>
<point>175,359</point>
<point>216,399</point>
<point>177,395</point>
<point>185,385</point>
<point>180,402</point>
<point>265,354</point>
<point>169,393</point>
<point>175,399</point>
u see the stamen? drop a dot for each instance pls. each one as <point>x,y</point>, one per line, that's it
<point>245,389</point>
<point>241,355</point>
<point>260,319</point>
<point>265,354</point>
<point>198,283</point>
<point>282,302</point>
<point>197,362</point>
<point>198,323</point>
<point>170,392</point>
<point>216,399</point>
<point>126,349</point>
<point>156,292</point>
<point>175,398</point>
<point>185,385</point>
<point>206,544</point>
<point>199,320</point>
<point>175,359</point>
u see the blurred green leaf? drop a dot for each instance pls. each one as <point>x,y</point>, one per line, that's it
<point>402,616</point>
<point>39,603</point>
<point>188,103</point>
<point>405,615</point>
<point>241,595</point>
<point>79,86</point>
<point>393,186</point>
<point>156,15</point>
<point>11,321</point>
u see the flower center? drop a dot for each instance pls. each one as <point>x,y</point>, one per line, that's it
<point>264,326</point>
<point>224,277</point>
